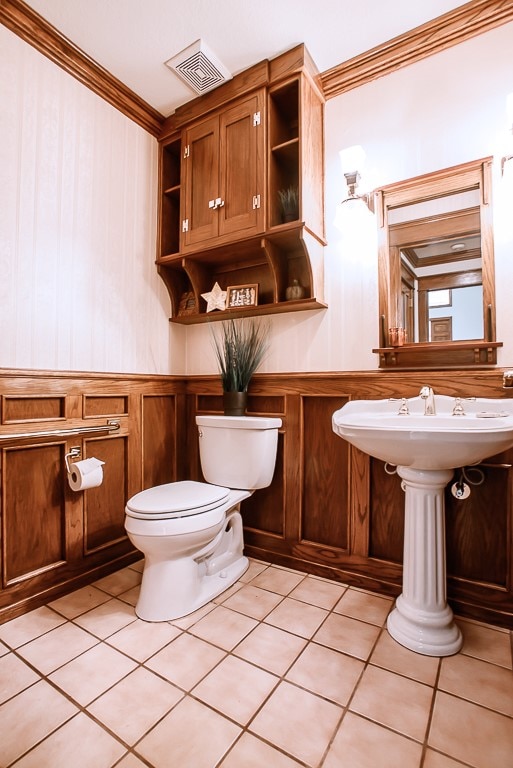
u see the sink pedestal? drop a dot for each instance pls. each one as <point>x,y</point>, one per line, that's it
<point>421,620</point>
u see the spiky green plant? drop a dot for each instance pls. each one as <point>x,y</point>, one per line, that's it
<point>240,347</point>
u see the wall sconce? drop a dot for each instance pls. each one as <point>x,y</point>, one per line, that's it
<point>352,178</point>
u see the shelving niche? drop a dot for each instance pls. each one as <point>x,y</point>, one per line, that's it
<point>290,146</point>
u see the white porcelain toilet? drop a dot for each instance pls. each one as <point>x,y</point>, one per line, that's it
<point>191,533</point>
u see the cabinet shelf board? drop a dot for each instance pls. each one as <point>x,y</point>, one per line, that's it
<point>262,309</point>
<point>174,190</point>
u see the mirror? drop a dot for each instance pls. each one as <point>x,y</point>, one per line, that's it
<point>436,269</point>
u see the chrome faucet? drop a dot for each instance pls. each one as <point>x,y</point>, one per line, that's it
<point>427,394</point>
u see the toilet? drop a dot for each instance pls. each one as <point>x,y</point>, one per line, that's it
<point>191,532</point>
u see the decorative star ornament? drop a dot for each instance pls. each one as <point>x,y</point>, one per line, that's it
<point>216,299</point>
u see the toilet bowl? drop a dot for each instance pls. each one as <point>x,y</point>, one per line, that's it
<point>191,532</point>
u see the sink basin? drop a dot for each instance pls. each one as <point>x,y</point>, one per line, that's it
<point>425,450</point>
<point>440,441</point>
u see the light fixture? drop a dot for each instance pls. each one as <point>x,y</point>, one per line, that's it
<point>352,178</point>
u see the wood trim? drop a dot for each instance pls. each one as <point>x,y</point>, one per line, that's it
<point>436,35</point>
<point>450,29</point>
<point>35,30</point>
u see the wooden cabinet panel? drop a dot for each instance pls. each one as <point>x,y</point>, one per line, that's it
<point>242,168</point>
<point>104,506</point>
<point>39,408</point>
<point>201,183</point>
<point>33,511</point>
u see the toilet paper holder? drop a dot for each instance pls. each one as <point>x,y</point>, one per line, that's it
<point>74,453</point>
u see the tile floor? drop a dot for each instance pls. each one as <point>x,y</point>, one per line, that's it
<point>283,670</point>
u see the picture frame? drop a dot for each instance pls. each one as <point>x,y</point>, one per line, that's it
<point>238,296</point>
<point>187,304</point>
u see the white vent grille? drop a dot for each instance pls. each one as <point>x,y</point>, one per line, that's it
<point>199,67</point>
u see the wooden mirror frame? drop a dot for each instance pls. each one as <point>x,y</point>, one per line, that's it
<point>451,354</point>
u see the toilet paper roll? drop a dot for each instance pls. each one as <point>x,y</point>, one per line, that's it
<point>85,474</point>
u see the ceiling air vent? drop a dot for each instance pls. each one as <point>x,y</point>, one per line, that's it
<point>199,67</point>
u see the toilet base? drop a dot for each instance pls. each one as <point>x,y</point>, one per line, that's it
<point>177,607</point>
<point>173,588</point>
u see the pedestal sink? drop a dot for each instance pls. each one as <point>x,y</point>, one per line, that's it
<point>426,449</point>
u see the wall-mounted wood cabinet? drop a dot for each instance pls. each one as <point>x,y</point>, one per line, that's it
<point>223,163</point>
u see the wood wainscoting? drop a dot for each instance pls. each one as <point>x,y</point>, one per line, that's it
<point>53,539</point>
<point>330,510</point>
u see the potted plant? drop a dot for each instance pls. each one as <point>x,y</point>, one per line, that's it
<point>240,347</point>
<point>289,202</point>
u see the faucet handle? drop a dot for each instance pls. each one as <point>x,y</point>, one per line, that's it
<point>403,409</point>
<point>458,409</point>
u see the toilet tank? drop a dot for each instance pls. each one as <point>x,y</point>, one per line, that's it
<point>238,451</point>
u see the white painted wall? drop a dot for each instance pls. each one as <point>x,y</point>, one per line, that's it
<point>78,287</point>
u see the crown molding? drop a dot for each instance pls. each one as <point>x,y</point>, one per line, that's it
<point>455,27</point>
<point>436,35</point>
<point>35,30</point>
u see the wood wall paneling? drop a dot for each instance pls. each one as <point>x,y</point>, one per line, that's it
<point>33,511</point>
<point>325,457</point>
<point>104,506</point>
<point>18,408</point>
<point>160,443</point>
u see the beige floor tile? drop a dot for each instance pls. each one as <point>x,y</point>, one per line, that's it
<point>236,689</point>
<point>95,747</point>
<point>107,618</point>
<point>131,761</point>
<point>364,606</point>
<point>186,622</point>
<point>488,736</point>
<point>298,722</point>
<point>396,658</point>
<point>29,717</point>
<point>324,594</point>
<point>255,567</point>
<point>436,760</point>
<point>138,565</point>
<point>92,673</point>
<point>120,581</point>
<point>486,643</point>
<point>326,672</point>
<point>297,617</point>
<point>141,639</point>
<point>478,681</point>
<point>277,580</point>
<point>3,649</point>
<point>250,752</point>
<point>228,593</point>
<point>80,601</point>
<point>190,736</point>
<point>56,648</point>
<point>135,704</point>
<point>186,661</point>
<point>394,701</point>
<point>26,628</point>
<point>270,648</point>
<point>131,596</point>
<point>348,635</point>
<point>253,601</point>
<point>223,627</point>
<point>363,744</point>
<point>15,676</point>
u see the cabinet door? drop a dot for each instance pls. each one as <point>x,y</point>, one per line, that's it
<point>241,168</point>
<point>201,182</point>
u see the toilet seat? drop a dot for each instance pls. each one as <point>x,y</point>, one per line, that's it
<point>174,500</point>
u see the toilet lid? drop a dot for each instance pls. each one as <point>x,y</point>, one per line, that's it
<point>186,497</point>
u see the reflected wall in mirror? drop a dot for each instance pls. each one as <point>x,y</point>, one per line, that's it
<point>436,268</point>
